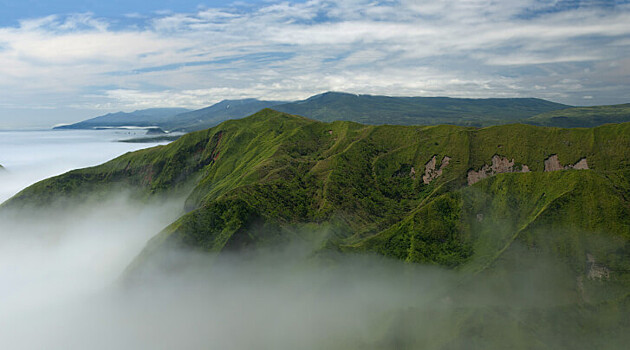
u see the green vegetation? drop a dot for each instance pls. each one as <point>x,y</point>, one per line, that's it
<point>583,116</point>
<point>152,139</point>
<point>286,172</point>
<point>351,188</point>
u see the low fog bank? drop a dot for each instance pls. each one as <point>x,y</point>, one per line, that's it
<point>31,156</point>
<point>51,258</point>
<point>60,288</point>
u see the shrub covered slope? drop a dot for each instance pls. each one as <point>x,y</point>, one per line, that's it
<point>373,183</point>
<point>399,191</point>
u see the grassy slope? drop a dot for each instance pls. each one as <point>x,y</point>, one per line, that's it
<point>583,116</point>
<point>273,176</point>
<point>282,172</point>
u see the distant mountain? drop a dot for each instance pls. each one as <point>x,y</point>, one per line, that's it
<point>583,116</point>
<point>210,116</point>
<point>374,110</point>
<point>140,118</point>
<point>178,119</point>
<point>331,106</point>
<point>368,109</point>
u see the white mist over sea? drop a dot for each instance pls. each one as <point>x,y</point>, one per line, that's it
<point>33,155</point>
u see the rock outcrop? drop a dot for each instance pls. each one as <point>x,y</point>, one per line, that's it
<point>499,165</point>
<point>595,270</point>
<point>431,172</point>
<point>553,164</point>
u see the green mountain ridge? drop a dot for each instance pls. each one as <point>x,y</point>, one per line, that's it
<point>291,170</point>
<point>552,197</point>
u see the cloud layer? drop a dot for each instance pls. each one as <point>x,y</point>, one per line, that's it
<point>568,51</point>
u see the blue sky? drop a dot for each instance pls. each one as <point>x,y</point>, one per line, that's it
<point>64,61</point>
<point>14,11</point>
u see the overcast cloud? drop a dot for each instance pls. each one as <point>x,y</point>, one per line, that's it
<point>66,67</point>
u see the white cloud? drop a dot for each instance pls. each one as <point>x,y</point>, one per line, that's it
<point>410,47</point>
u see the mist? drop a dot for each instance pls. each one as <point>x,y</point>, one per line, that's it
<point>63,285</point>
<point>31,156</point>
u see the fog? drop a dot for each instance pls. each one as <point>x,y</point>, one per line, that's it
<point>63,286</point>
<point>30,156</point>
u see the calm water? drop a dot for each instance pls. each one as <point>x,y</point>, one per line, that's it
<point>30,156</point>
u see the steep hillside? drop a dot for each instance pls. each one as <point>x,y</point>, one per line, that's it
<point>370,109</point>
<point>539,216</point>
<point>583,116</point>
<point>413,193</point>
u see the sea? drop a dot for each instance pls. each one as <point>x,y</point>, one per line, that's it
<point>29,156</point>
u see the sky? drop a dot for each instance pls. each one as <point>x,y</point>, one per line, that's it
<point>66,61</point>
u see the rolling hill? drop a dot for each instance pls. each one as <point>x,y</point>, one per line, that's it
<point>368,109</point>
<point>585,117</point>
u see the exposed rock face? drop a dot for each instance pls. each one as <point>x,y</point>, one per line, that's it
<point>430,170</point>
<point>553,164</point>
<point>580,165</point>
<point>499,165</point>
<point>502,165</point>
<point>595,270</point>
